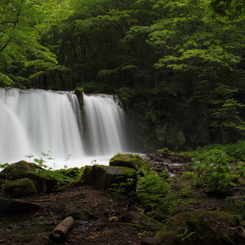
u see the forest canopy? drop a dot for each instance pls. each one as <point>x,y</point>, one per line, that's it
<point>164,57</point>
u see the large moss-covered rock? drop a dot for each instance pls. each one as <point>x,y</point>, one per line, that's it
<point>20,188</point>
<point>106,177</point>
<point>23,169</point>
<point>198,227</point>
<point>18,170</point>
<point>131,161</point>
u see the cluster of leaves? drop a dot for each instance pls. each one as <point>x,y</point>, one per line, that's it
<point>155,194</point>
<point>62,175</point>
<point>215,173</point>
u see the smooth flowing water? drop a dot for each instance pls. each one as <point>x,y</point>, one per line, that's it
<point>104,124</point>
<point>34,122</point>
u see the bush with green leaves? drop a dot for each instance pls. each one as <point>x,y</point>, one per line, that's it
<point>237,150</point>
<point>121,189</point>
<point>214,171</point>
<point>153,192</point>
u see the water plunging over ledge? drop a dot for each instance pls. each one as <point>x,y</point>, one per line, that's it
<point>37,121</point>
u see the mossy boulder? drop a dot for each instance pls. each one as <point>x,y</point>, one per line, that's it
<point>131,161</point>
<point>18,170</point>
<point>107,177</point>
<point>20,188</point>
<point>23,169</point>
<point>198,227</point>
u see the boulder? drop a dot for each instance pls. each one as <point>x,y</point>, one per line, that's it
<point>131,161</point>
<point>150,241</point>
<point>107,177</point>
<point>18,170</point>
<point>23,169</point>
<point>11,206</point>
<point>199,227</point>
<point>19,188</point>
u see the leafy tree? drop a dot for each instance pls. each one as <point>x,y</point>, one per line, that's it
<point>19,38</point>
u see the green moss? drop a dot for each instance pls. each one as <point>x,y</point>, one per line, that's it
<point>131,161</point>
<point>18,170</point>
<point>20,188</point>
<point>197,227</point>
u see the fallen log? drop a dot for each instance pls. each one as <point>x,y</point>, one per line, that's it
<point>59,233</point>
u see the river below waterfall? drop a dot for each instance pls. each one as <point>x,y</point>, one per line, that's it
<point>46,124</point>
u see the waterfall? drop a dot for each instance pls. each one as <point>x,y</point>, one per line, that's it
<point>105,125</point>
<point>37,121</point>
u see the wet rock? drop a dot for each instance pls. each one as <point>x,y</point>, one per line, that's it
<point>20,188</point>
<point>199,227</point>
<point>18,170</point>
<point>131,161</point>
<point>150,241</point>
<point>107,177</point>
<point>11,206</point>
<point>23,169</point>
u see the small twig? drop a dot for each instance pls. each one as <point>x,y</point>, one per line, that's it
<point>40,200</point>
<point>46,238</point>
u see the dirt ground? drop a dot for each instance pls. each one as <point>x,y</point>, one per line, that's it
<point>103,225</point>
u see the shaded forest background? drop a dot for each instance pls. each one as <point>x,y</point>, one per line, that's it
<point>178,65</point>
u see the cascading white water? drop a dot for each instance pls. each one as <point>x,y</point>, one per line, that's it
<point>104,124</point>
<point>35,122</point>
<point>38,121</point>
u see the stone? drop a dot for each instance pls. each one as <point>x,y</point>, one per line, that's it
<point>23,169</point>
<point>106,177</point>
<point>18,170</point>
<point>20,188</point>
<point>11,206</point>
<point>131,161</point>
<point>197,227</point>
<point>150,241</point>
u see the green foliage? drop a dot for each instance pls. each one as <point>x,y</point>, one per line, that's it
<point>232,10</point>
<point>57,175</point>
<point>125,93</point>
<point>154,193</point>
<point>235,152</point>
<point>41,161</point>
<point>164,174</point>
<point>5,81</point>
<point>120,189</point>
<point>214,172</point>
<point>189,175</point>
<point>236,205</point>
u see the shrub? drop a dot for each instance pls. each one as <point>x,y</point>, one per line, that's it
<point>214,171</point>
<point>153,192</point>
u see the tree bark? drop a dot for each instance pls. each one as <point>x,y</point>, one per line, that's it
<point>59,233</point>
